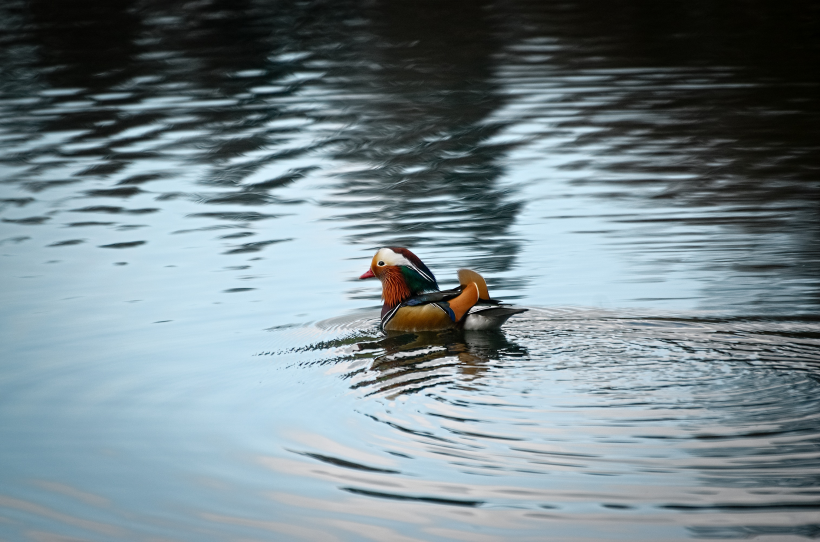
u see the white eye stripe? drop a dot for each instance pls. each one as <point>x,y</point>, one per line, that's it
<point>387,256</point>
<point>391,258</point>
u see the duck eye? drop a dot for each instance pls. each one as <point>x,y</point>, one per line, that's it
<point>380,264</point>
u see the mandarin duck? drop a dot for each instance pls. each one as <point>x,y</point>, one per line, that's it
<point>413,301</point>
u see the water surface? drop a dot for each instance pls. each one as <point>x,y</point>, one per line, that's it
<point>188,192</point>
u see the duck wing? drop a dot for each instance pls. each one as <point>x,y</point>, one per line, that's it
<point>432,297</point>
<point>425,311</point>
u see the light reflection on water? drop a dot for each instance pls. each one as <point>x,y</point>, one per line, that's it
<point>189,191</point>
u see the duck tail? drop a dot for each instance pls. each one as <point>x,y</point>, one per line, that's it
<point>488,318</point>
<point>468,276</point>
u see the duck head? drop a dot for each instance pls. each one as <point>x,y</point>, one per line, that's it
<point>401,273</point>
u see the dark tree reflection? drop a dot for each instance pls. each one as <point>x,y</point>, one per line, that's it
<point>422,165</point>
<point>690,117</point>
<point>85,44</point>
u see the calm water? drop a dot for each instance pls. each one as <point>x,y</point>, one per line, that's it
<point>188,192</point>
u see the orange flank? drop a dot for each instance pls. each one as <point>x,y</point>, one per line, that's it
<point>420,318</point>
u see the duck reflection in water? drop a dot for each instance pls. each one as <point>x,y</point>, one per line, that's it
<point>406,363</point>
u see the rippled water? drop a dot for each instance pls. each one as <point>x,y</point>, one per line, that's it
<point>188,192</point>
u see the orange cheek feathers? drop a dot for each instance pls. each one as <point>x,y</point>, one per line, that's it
<point>394,288</point>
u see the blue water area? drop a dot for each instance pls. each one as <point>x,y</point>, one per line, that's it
<point>189,192</point>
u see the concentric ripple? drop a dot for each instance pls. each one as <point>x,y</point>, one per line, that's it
<point>692,425</point>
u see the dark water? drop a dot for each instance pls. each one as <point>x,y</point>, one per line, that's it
<point>188,192</point>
